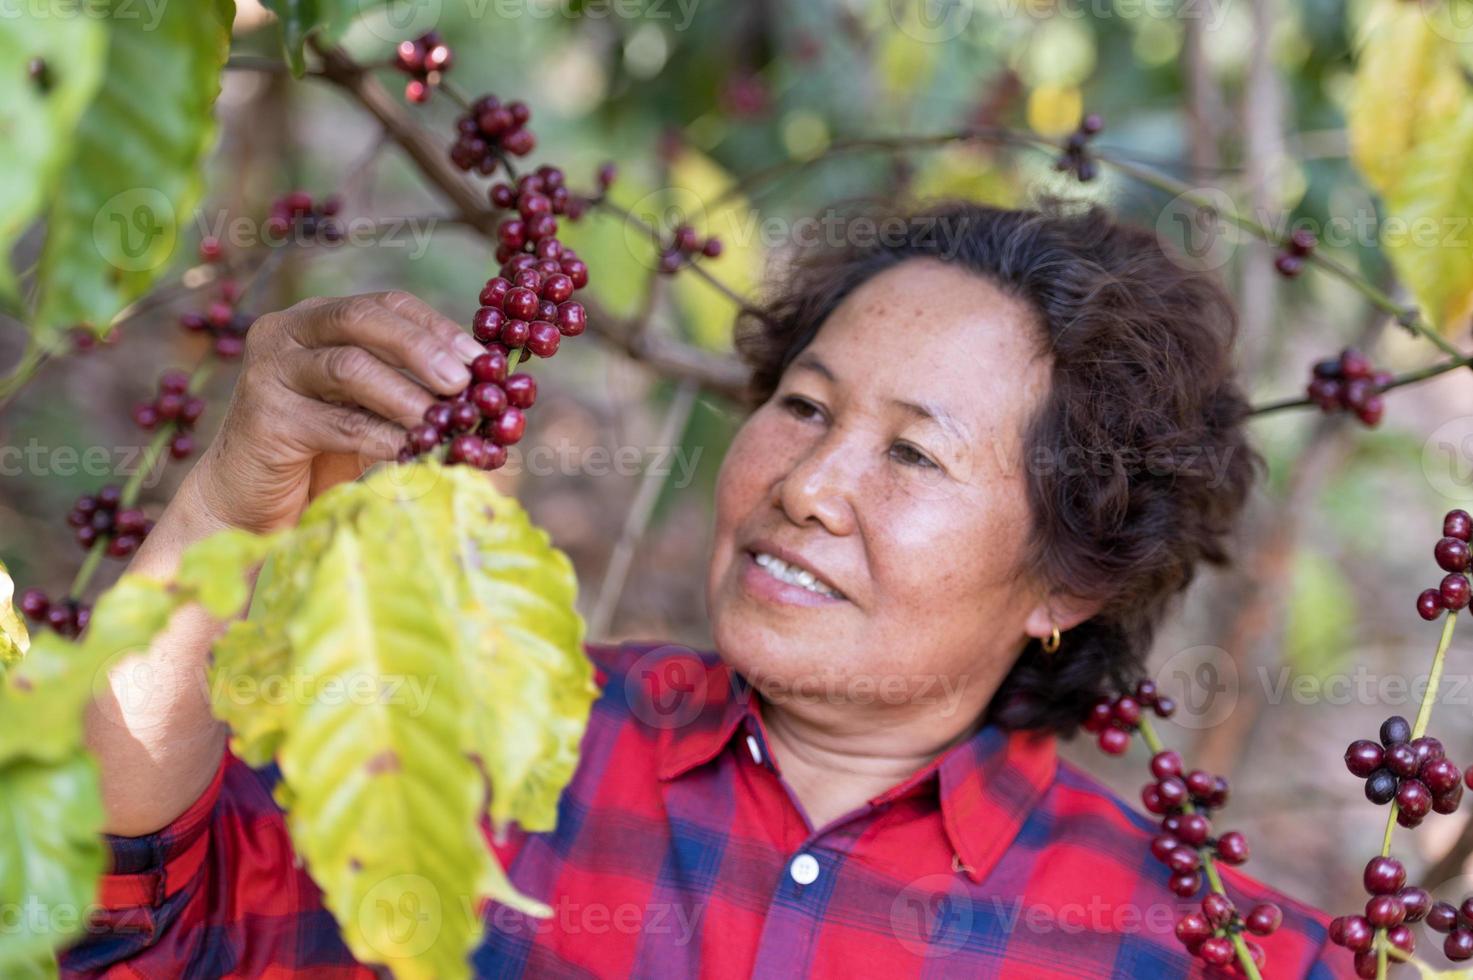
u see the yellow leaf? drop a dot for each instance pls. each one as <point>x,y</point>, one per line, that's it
<point>14,638</point>
<point>696,183</point>
<point>1427,231</point>
<point>1054,110</point>
<point>1408,87</point>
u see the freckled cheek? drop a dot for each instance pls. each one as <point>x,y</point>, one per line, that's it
<point>934,560</point>
<point>747,471</point>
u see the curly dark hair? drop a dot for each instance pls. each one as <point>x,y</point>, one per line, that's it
<point>1143,401</point>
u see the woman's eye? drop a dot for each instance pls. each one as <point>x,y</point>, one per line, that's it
<point>801,407</point>
<point>909,455</point>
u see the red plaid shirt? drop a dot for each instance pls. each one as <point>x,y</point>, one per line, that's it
<point>680,852</point>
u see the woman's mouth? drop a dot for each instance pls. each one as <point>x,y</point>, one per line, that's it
<point>772,578</point>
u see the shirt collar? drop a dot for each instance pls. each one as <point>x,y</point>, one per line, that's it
<point>987,786</point>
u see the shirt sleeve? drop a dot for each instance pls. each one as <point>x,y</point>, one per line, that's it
<point>217,892</point>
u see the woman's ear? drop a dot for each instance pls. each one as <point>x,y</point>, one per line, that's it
<point>1061,611</point>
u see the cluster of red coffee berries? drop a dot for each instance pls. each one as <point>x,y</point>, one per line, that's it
<point>172,405</point>
<point>1392,906</point>
<point>527,308</point>
<point>65,616</point>
<point>1185,802</point>
<point>1290,261</point>
<point>489,130</point>
<point>1452,556</point>
<point>1414,772</point>
<point>1349,382</point>
<point>310,218</point>
<point>1208,934</point>
<point>539,198</point>
<point>424,60</point>
<point>100,517</point>
<point>1455,922</point>
<point>1075,157</point>
<point>684,245</point>
<point>479,423</point>
<point>221,319</point>
<point>1112,720</point>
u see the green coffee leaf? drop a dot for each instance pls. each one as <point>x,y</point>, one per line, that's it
<point>38,117</point>
<point>43,696</point>
<point>136,169</point>
<point>216,571</point>
<point>300,19</point>
<point>383,802</point>
<point>50,857</point>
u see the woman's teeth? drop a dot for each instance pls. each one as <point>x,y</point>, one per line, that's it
<point>784,572</point>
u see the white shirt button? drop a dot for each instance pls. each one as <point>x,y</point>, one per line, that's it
<point>804,869</point>
<point>755,749</point>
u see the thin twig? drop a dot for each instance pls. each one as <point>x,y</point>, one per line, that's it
<point>640,512</point>
<point>1409,378</point>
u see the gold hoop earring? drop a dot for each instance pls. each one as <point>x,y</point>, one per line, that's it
<point>1051,643</point>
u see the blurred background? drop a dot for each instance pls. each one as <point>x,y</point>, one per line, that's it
<point>740,117</point>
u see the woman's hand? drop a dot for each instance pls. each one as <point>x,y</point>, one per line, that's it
<point>321,397</point>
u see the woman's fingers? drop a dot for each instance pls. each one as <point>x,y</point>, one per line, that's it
<point>398,328</point>
<point>350,432</point>
<point>353,376</point>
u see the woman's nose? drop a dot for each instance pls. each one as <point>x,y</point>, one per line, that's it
<point>822,487</point>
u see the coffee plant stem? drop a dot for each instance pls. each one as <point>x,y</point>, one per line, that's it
<point>1408,316</point>
<point>1209,866</point>
<point>131,489</point>
<point>1419,728</point>
<point>695,267</point>
<point>1411,377</point>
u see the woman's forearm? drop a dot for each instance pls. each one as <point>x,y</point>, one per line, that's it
<point>150,724</point>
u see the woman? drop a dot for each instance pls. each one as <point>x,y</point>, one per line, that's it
<point>974,442</point>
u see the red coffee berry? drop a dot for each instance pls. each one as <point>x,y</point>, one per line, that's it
<point>1192,928</point>
<point>1383,875</point>
<point>1264,919</point>
<point>1454,589</point>
<point>1363,757</point>
<point>1232,847</point>
<point>1218,951</point>
<point>490,366</point>
<point>1430,604</point>
<point>521,390</point>
<point>486,324</point>
<point>1385,911</point>
<point>508,427</point>
<point>1114,741</point>
<point>424,437</point>
<point>489,399</point>
<point>1416,901</point>
<point>1185,884</point>
<point>1166,763</point>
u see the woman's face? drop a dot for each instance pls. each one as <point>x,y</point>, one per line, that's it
<point>888,466</point>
